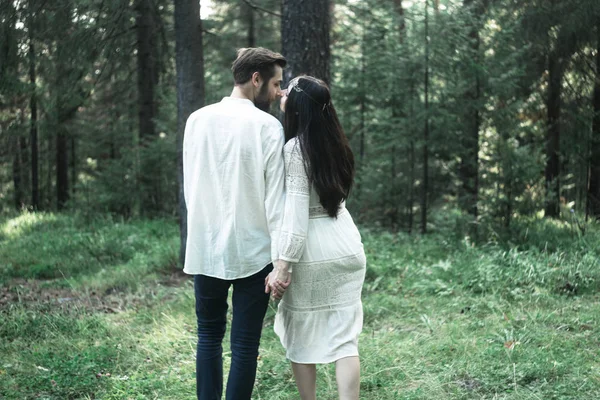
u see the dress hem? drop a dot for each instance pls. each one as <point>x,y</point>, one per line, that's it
<point>329,359</point>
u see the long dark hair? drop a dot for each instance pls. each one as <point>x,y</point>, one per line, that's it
<point>329,162</point>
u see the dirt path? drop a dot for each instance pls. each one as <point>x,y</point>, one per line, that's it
<point>34,293</point>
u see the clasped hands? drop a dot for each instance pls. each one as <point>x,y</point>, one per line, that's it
<point>278,280</point>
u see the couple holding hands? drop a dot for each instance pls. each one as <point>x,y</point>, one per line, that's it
<point>267,216</point>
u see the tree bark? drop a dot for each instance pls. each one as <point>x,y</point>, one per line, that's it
<point>552,171</point>
<point>33,132</point>
<point>146,66</point>
<point>17,171</point>
<point>146,79</point>
<point>73,164</point>
<point>469,168</point>
<point>363,93</point>
<point>394,193</point>
<point>62,168</point>
<point>9,71</point>
<point>305,31</point>
<point>425,185</point>
<point>190,89</point>
<point>411,160</point>
<point>411,187</point>
<point>398,114</point>
<point>47,193</point>
<point>64,107</point>
<point>248,16</point>
<point>8,43</point>
<point>402,22</point>
<point>594,174</point>
<point>411,145</point>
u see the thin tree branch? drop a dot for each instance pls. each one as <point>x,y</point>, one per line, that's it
<point>254,6</point>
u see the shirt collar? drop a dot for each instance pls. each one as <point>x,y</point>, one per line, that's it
<point>236,100</point>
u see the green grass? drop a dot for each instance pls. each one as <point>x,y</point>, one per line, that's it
<point>515,317</point>
<point>82,252</point>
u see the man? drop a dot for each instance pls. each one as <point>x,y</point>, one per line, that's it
<point>234,192</point>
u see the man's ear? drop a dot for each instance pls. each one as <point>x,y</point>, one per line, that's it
<point>256,79</point>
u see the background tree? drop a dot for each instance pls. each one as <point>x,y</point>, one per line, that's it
<point>594,175</point>
<point>190,88</point>
<point>305,30</point>
<point>511,108</point>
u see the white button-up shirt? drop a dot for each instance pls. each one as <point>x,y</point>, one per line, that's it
<point>233,174</point>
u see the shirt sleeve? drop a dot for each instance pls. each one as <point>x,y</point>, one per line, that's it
<point>187,159</point>
<point>295,217</point>
<point>274,187</point>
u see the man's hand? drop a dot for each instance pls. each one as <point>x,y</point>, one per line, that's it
<point>278,280</point>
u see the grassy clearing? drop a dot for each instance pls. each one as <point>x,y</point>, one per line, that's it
<point>86,254</point>
<point>514,318</point>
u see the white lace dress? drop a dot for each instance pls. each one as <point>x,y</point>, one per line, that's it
<point>320,316</point>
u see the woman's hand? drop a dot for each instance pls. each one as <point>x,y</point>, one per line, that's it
<point>278,280</point>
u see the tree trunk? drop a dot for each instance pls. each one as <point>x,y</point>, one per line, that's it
<point>190,88</point>
<point>552,170</point>
<point>411,187</point>
<point>305,30</point>
<point>62,168</point>
<point>469,168</point>
<point>65,109</point>
<point>394,193</point>
<point>146,73</point>
<point>425,187</point>
<point>73,164</point>
<point>47,195</point>
<point>508,198</point>
<point>146,66</point>
<point>402,22</point>
<point>17,171</point>
<point>9,75</point>
<point>363,93</point>
<point>398,100</point>
<point>8,44</point>
<point>594,180</point>
<point>248,16</point>
<point>411,160</point>
<point>33,133</point>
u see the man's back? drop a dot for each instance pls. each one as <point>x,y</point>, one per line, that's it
<point>233,185</point>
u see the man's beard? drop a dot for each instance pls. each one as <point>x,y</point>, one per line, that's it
<point>261,100</point>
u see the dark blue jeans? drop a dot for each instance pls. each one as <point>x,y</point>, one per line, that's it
<point>249,307</point>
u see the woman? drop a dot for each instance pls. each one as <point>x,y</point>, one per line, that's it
<point>320,315</point>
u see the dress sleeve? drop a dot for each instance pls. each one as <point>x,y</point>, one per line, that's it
<point>295,217</point>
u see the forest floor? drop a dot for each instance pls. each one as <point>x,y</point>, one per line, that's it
<point>95,308</point>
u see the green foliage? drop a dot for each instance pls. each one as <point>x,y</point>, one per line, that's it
<point>484,57</point>
<point>534,257</point>
<point>85,248</point>
<point>501,48</point>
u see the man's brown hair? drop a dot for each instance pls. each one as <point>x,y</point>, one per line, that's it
<point>255,59</point>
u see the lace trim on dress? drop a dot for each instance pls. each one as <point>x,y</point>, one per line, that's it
<point>326,283</point>
<point>296,180</point>
<point>321,212</point>
<point>297,184</point>
<point>317,212</point>
<point>293,245</point>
